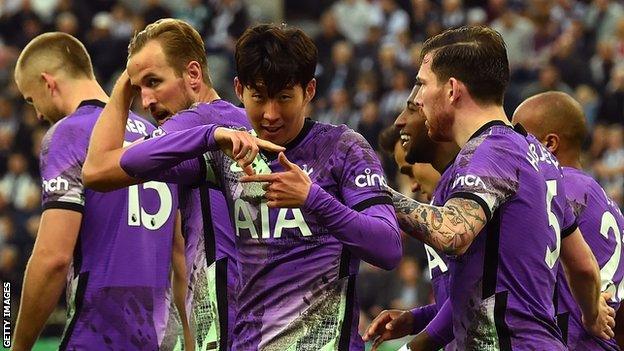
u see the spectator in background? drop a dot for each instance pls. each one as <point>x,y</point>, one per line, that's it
<point>366,52</point>
<point>121,22</point>
<point>366,90</point>
<point>412,290</point>
<point>17,186</point>
<point>154,11</point>
<point>354,17</point>
<point>453,14</point>
<point>548,80</point>
<point>518,33</point>
<point>370,124</point>
<point>612,108</point>
<point>424,13</point>
<point>67,22</point>
<point>393,101</point>
<point>601,64</point>
<point>570,63</point>
<point>196,13</point>
<point>387,65</point>
<point>327,38</point>
<point>602,17</point>
<point>610,168</point>
<point>104,48</point>
<point>341,74</point>
<point>392,18</point>
<point>339,110</point>
<point>228,23</point>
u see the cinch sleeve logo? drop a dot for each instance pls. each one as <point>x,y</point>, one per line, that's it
<point>369,179</point>
<point>55,184</point>
<point>469,180</point>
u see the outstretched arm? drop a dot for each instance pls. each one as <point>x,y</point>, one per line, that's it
<point>450,228</point>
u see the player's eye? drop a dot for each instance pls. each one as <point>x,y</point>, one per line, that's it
<point>257,97</point>
<point>152,83</point>
<point>29,101</point>
<point>285,97</point>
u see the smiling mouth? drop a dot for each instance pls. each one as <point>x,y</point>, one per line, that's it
<point>405,139</point>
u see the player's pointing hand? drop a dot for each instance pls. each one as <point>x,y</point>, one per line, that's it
<point>289,188</point>
<point>242,147</point>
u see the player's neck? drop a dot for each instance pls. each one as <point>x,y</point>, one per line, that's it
<point>207,94</point>
<point>81,90</point>
<point>445,152</point>
<point>569,160</point>
<point>469,120</point>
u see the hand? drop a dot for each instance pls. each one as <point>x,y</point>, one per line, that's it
<point>423,342</point>
<point>602,326</point>
<point>388,325</point>
<point>284,189</point>
<point>242,147</point>
<point>123,89</point>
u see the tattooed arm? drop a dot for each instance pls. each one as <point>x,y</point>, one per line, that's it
<point>450,228</point>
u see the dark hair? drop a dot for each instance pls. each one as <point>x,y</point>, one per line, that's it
<point>276,57</point>
<point>475,55</point>
<point>74,58</point>
<point>180,42</point>
<point>388,139</point>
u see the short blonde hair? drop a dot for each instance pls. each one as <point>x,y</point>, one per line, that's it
<point>180,42</point>
<point>56,51</point>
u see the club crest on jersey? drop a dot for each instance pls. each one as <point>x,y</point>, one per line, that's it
<point>369,179</point>
<point>469,180</point>
<point>55,184</point>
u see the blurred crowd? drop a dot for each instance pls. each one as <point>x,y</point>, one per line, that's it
<point>368,59</point>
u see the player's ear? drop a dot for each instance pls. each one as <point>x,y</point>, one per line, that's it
<point>50,82</point>
<point>454,90</point>
<point>551,142</point>
<point>195,74</point>
<point>310,90</point>
<point>238,88</point>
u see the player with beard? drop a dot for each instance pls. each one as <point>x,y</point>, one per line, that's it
<point>167,64</point>
<point>301,235</point>
<point>501,215</point>
<point>423,161</point>
<point>557,121</point>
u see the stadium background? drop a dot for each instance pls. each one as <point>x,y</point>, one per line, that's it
<point>368,51</point>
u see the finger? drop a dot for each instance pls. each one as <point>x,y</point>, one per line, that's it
<point>259,178</point>
<point>273,204</point>
<point>607,295</point>
<point>285,162</point>
<point>252,148</point>
<point>249,170</point>
<point>269,146</point>
<point>377,343</point>
<point>235,146</point>
<point>242,152</point>
<point>611,322</point>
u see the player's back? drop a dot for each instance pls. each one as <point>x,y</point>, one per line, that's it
<point>209,237</point>
<point>602,224</point>
<point>120,273</point>
<point>502,287</point>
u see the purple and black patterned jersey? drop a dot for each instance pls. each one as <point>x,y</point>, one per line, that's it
<point>502,287</point>
<point>119,280</point>
<point>602,224</point>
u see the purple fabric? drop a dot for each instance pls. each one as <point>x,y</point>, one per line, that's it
<point>422,316</point>
<point>365,233</point>
<point>148,159</point>
<point>440,329</point>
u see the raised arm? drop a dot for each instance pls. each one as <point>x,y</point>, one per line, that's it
<point>450,228</point>
<point>101,169</point>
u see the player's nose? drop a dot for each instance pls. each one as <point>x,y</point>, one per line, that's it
<point>147,100</point>
<point>272,111</point>
<point>400,121</point>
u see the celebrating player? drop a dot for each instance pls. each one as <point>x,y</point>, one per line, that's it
<point>500,211</point>
<point>114,249</point>
<point>557,121</point>
<point>322,207</point>
<point>168,64</point>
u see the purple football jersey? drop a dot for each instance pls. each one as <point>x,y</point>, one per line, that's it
<point>207,227</point>
<point>502,287</point>
<point>119,280</point>
<point>602,224</point>
<point>297,280</point>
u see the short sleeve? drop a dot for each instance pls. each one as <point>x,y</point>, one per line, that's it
<point>61,161</point>
<point>362,180</point>
<point>484,172</point>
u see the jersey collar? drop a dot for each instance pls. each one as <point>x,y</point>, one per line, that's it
<point>486,126</point>
<point>93,102</point>
<point>307,127</point>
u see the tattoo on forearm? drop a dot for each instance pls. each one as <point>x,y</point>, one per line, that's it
<point>447,228</point>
